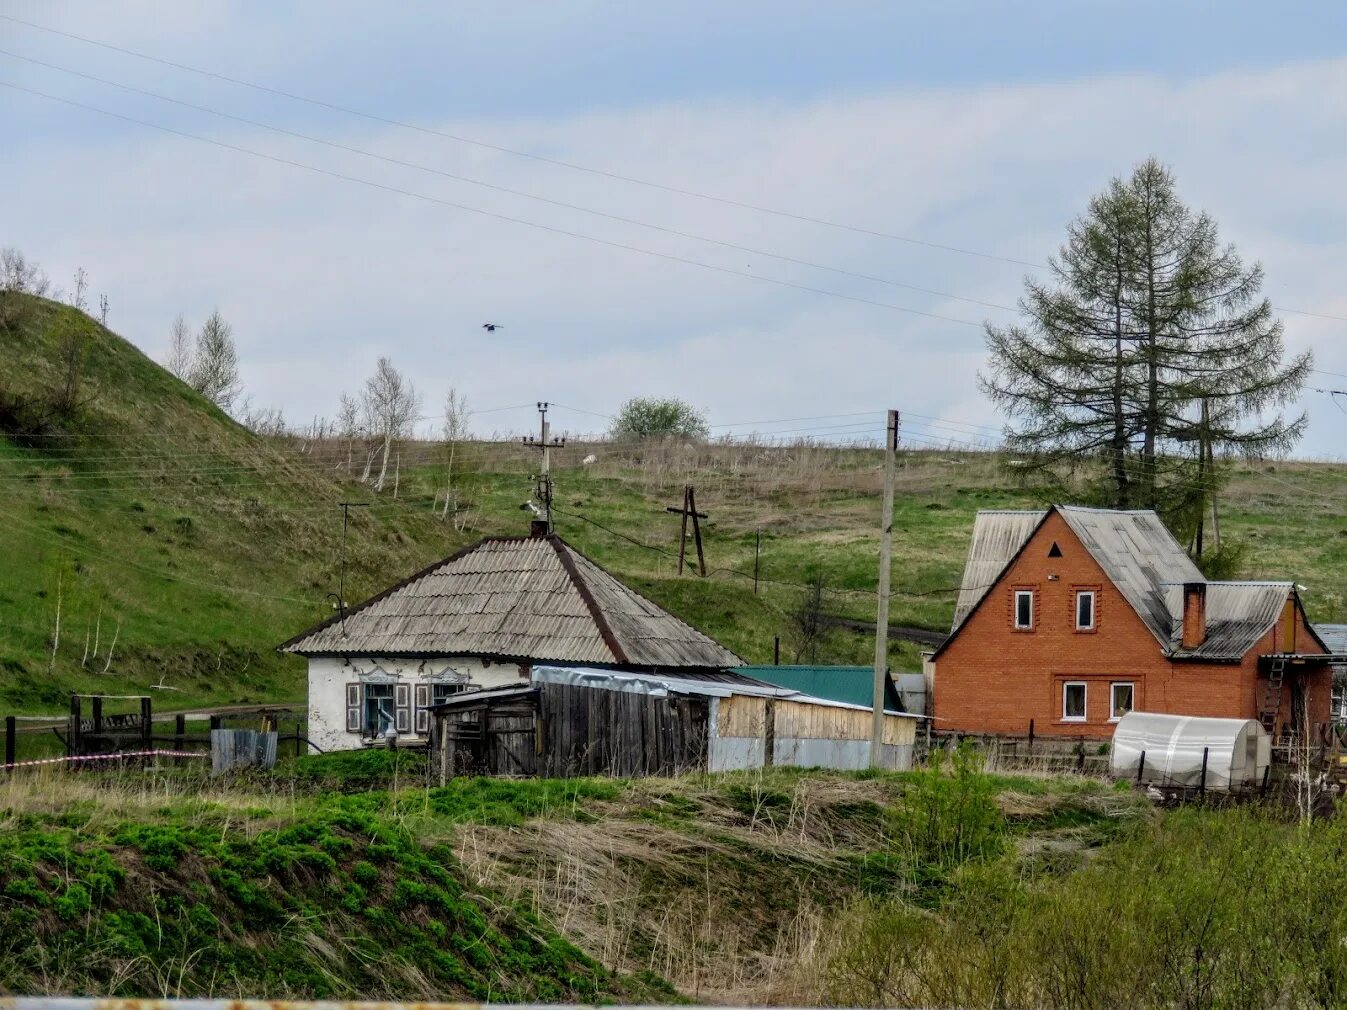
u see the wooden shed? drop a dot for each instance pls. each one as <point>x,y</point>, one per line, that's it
<point>603,722</point>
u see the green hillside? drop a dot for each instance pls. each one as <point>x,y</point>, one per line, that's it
<point>186,547</point>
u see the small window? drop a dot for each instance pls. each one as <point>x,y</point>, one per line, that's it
<point>1073,701</point>
<point>1120,700</point>
<point>1085,610</point>
<point>379,709</point>
<point>1024,608</point>
<point>1054,551</point>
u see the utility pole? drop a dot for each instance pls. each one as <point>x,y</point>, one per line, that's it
<point>346,507</point>
<point>885,564</point>
<point>542,520</point>
<point>689,511</point>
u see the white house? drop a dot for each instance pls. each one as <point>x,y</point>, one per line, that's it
<point>482,618</point>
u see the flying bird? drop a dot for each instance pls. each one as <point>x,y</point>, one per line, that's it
<point>491,327</point>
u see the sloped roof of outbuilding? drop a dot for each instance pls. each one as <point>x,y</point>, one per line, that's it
<point>534,598</point>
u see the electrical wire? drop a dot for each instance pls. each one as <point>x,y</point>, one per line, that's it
<point>438,201</point>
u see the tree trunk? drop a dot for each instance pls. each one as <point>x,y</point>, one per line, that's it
<point>1152,413</point>
<point>383,466</point>
<point>1120,482</point>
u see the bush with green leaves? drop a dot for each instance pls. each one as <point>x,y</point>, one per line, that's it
<point>648,417</point>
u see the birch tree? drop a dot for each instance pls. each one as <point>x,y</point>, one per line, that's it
<point>215,364</point>
<point>179,360</point>
<point>348,425</point>
<point>454,428</point>
<point>390,406</point>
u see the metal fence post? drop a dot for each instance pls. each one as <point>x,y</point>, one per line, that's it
<point>1202,786</point>
<point>1141,767</point>
<point>11,730</point>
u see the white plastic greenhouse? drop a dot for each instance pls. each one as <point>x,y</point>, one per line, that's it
<point>1172,750</point>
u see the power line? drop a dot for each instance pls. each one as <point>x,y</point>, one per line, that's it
<point>751,250</point>
<point>574,166</point>
<point>372,184</point>
<point>333,107</point>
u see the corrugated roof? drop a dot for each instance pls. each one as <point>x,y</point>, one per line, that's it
<point>998,536</point>
<point>854,685</point>
<point>1238,615</point>
<point>1334,637</point>
<point>1147,566</point>
<point>531,598</point>
<point>1139,555</point>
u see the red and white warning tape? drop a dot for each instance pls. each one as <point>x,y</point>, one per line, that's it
<point>107,757</point>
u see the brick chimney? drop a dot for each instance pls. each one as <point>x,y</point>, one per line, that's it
<point>1194,614</point>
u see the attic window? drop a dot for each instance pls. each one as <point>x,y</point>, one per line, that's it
<point>1054,551</point>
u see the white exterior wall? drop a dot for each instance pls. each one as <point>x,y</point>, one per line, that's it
<point>329,675</point>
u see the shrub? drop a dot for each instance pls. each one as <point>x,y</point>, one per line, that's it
<point>645,417</point>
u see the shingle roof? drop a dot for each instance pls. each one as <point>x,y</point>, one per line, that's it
<point>1147,566</point>
<point>518,597</point>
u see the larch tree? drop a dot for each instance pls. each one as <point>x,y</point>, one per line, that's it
<point>1150,347</point>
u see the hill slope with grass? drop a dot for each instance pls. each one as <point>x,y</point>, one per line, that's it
<point>174,547</point>
<point>153,544</point>
<point>942,887</point>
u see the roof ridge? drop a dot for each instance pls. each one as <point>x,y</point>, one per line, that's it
<point>562,550</point>
<point>640,595</point>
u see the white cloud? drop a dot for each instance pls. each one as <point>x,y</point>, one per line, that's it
<point>319,276</point>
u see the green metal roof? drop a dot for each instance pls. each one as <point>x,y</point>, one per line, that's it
<point>853,685</point>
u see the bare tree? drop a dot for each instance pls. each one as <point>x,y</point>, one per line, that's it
<point>19,277</point>
<point>72,339</point>
<point>180,350</point>
<point>215,365</point>
<point>103,311</point>
<point>807,622</point>
<point>81,286</point>
<point>455,430</point>
<point>348,425</point>
<point>390,407</point>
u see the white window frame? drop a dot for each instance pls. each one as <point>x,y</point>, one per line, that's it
<point>1094,604</point>
<point>1019,593</point>
<point>1113,686</point>
<point>1084,700</point>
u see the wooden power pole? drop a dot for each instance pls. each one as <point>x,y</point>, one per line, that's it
<point>689,511</point>
<point>885,565</point>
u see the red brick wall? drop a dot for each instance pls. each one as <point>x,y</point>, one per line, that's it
<point>993,678</point>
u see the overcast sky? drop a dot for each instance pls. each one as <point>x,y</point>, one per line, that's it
<point>980,126</point>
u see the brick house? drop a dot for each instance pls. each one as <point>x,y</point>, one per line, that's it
<point>1068,618</point>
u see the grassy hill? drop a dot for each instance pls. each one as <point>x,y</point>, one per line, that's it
<point>179,548</point>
